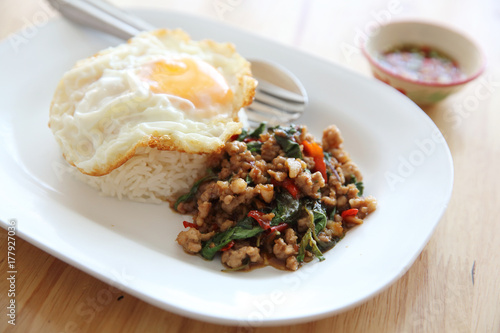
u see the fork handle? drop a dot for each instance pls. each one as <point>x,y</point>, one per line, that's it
<point>101,16</point>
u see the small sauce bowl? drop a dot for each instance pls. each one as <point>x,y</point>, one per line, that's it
<point>459,49</point>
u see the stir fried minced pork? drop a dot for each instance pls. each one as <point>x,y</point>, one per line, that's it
<point>276,197</point>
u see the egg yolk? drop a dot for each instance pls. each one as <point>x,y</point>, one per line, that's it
<point>194,80</point>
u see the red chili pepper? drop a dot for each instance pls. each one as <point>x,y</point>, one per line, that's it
<point>264,224</point>
<point>349,212</point>
<point>228,246</point>
<point>234,137</point>
<point>280,227</point>
<point>289,185</point>
<point>187,224</point>
<point>312,149</point>
<point>320,166</point>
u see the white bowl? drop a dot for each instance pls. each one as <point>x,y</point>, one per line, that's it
<point>463,50</point>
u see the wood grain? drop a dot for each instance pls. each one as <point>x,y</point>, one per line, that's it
<point>454,284</point>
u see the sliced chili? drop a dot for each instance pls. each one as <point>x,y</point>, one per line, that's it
<point>187,224</point>
<point>289,185</point>
<point>228,246</point>
<point>312,149</point>
<point>280,227</point>
<point>257,216</point>
<point>349,212</point>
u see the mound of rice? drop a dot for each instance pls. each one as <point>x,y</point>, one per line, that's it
<point>151,175</point>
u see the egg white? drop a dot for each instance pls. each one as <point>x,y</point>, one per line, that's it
<point>105,106</point>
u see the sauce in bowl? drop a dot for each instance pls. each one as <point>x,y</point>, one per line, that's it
<point>421,63</point>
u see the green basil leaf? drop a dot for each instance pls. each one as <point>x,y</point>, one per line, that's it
<point>246,223</point>
<point>332,213</point>
<point>243,135</point>
<point>291,148</point>
<point>303,245</point>
<point>219,241</point>
<point>290,130</point>
<point>319,215</point>
<point>315,250</point>
<point>308,242</point>
<point>286,208</point>
<point>242,233</point>
<point>325,246</point>
<point>242,230</point>
<point>248,179</point>
<point>320,219</point>
<point>359,185</point>
<point>258,131</point>
<point>188,196</point>
<point>254,146</point>
<point>254,134</point>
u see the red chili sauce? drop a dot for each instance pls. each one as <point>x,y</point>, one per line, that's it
<point>421,63</point>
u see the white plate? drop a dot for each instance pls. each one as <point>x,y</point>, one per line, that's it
<point>406,165</point>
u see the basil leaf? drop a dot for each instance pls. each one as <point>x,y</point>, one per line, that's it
<point>359,185</point>
<point>254,146</point>
<point>308,242</point>
<point>318,223</point>
<point>320,219</point>
<point>286,208</point>
<point>315,250</point>
<point>325,246</point>
<point>248,179</point>
<point>243,135</point>
<point>254,134</point>
<point>290,130</point>
<point>303,245</point>
<point>291,148</point>
<point>188,196</point>
<point>332,213</point>
<point>242,230</point>
<point>258,131</point>
<point>246,223</point>
<point>318,215</point>
<point>242,233</point>
<point>219,241</point>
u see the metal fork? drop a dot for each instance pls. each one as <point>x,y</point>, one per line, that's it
<point>280,97</point>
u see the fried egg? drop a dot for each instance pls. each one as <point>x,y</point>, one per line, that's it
<point>160,90</point>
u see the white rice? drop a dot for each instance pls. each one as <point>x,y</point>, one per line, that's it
<point>151,175</point>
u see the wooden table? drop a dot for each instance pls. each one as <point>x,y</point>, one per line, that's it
<point>454,284</point>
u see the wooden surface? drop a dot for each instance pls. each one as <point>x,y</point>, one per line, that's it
<point>454,285</point>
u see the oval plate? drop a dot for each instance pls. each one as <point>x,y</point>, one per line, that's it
<point>405,161</point>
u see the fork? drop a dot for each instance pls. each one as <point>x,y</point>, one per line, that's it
<point>279,98</point>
